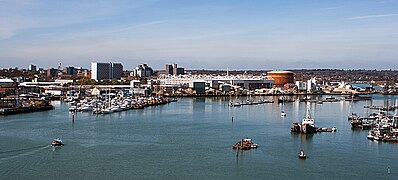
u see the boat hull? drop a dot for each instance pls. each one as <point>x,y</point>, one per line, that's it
<point>307,129</point>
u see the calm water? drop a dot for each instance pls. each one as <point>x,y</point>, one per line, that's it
<point>192,139</point>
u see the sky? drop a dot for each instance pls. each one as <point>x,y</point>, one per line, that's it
<point>201,34</point>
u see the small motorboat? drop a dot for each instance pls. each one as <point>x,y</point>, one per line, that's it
<point>73,108</point>
<point>236,104</point>
<point>254,145</point>
<point>283,114</point>
<point>57,142</point>
<point>302,155</point>
<point>370,135</point>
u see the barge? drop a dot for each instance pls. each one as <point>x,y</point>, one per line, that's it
<point>245,144</point>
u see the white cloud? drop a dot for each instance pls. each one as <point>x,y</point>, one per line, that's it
<point>373,16</point>
<point>334,7</point>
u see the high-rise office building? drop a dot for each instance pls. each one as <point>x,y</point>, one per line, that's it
<point>52,72</point>
<point>69,71</point>
<point>169,69</point>
<point>117,70</point>
<point>174,69</point>
<point>143,70</point>
<point>32,67</point>
<point>106,71</point>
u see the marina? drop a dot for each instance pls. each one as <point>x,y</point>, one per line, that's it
<point>175,139</point>
<point>110,104</point>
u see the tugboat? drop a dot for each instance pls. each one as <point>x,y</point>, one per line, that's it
<point>308,123</point>
<point>302,155</point>
<point>57,142</point>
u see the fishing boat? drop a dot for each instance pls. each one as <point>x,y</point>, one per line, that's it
<point>57,142</point>
<point>302,155</point>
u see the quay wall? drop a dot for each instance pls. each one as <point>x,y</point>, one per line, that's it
<point>9,111</point>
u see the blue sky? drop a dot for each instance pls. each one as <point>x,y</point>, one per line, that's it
<point>252,34</point>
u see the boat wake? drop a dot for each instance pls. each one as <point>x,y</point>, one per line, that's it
<point>11,154</point>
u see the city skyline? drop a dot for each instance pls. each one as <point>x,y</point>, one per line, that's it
<point>201,35</point>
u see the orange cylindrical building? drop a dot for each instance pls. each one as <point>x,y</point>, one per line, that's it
<point>281,77</point>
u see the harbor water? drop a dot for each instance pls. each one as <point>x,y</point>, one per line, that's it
<point>192,139</point>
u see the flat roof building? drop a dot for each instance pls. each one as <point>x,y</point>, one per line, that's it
<point>244,81</point>
<point>174,69</point>
<point>106,71</point>
<point>32,67</point>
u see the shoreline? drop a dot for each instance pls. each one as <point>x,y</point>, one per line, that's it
<point>279,94</point>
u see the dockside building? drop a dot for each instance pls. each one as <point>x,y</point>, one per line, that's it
<point>244,81</point>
